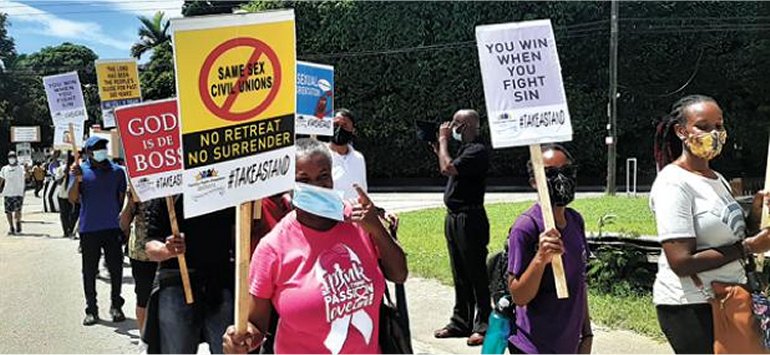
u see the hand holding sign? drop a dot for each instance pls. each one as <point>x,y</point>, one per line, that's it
<point>526,103</point>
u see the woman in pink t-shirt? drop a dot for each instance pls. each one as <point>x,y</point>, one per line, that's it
<point>325,278</point>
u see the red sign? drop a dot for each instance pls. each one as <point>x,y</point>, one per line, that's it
<point>225,111</point>
<point>150,136</point>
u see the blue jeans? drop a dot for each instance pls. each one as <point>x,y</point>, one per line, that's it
<point>183,325</point>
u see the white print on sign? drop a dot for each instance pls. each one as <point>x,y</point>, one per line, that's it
<point>214,187</point>
<point>347,291</point>
<point>526,102</point>
<point>158,185</point>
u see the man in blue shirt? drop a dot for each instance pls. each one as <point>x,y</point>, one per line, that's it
<point>100,188</point>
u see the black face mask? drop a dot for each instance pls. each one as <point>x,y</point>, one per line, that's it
<point>341,136</point>
<point>561,184</point>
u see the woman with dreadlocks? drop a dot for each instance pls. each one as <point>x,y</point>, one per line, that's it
<point>700,225</point>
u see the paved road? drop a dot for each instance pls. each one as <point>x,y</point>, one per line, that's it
<point>41,297</point>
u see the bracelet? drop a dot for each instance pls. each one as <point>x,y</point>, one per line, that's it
<point>589,335</point>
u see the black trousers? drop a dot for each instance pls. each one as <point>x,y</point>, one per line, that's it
<point>688,328</point>
<point>467,236</point>
<point>92,244</point>
<point>68,215</point>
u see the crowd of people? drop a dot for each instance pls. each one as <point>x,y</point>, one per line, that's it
<point>323,252</point>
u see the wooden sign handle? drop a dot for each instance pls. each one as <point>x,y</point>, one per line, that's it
<point>536,153</point>
<point>188,294</point>
<point>244,216</point>
<point>75,151</point>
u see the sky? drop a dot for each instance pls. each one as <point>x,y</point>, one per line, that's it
<point>108,27</point>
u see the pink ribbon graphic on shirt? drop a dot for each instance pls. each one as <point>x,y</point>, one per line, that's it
<point>347,291</point>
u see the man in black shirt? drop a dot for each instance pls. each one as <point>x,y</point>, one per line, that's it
<point>208,243</point>
<point>466,226</point>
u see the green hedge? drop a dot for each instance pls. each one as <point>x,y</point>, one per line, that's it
<point>389,83</point>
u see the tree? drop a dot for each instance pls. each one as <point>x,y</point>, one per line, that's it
<point>209,7</point>
<point>30,105</point>
<point>157,76</point>
<point>400,61</point>
<point>153,33</point>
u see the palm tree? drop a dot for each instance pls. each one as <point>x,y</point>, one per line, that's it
<point>153,33</point>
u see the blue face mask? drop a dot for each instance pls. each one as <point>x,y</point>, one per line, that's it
<point>319,201</point>
<point>100,155</point>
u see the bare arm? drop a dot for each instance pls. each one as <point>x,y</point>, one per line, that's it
<point>524,288</point>
<point>259,319</point>
<point>686,261</point>
<point>127,216</point>
<point>73,194</point>
<point>158,251</point>
<point>444,159</point>
<point>392,256</point>
<point>259,313</point>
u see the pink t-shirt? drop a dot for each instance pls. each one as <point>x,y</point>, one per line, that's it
<point>326,286</point>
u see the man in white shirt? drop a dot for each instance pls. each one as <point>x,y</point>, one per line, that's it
<point>12,187</point>
<point>348,164</point>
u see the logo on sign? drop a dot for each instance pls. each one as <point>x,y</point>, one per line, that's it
<point>240,79</point>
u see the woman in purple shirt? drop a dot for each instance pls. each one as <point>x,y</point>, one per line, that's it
<point>544,323</point>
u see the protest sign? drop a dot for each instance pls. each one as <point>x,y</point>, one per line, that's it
<point>68,109</point>
<point>25,134</point>
<point>149,133</point>
<point>150,136</point>
<point>520,69</point>
<point>236,96</point>
<point>237,100</point>
<point>526,103</point>
<point>118,81</point>
<point>315,99</point>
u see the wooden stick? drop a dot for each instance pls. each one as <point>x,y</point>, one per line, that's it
<point>536,153</point>
<point>75,152</point>
<point>242,250</point>
<point>188,294</point>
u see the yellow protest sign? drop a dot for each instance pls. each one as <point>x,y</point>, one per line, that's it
<point>118,82</point>
<point>236,79</point>
<point>118,79</point>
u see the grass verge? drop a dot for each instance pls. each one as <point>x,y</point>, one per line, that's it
<point>422,236</point>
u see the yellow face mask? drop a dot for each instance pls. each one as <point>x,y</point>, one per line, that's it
<point>706,145</point>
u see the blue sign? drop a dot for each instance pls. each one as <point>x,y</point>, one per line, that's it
<point>315,99</point>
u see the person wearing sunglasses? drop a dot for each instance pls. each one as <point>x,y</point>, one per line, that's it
<point>545,324</point>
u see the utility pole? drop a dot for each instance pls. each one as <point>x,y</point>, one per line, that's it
<point>612,109</point>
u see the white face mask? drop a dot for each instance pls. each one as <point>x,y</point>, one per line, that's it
<point>457,135</point>
<point>12,161</point>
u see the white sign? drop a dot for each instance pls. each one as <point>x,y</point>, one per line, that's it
<point>25,134</point>
<point>526,103</point>
<point>65,101</point>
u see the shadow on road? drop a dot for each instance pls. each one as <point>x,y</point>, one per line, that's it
<point>123,328</point>
<point>33,235</point>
